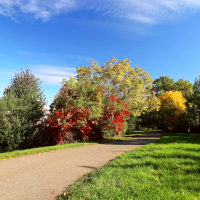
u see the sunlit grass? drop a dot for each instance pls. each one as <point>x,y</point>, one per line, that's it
<point>166,169</point>
<point>18,153</point>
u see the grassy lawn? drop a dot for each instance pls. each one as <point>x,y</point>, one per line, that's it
<point>18,153</point>
<point>166,169</point>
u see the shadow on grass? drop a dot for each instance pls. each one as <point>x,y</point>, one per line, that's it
<point>179,138</point>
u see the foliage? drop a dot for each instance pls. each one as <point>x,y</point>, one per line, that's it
<point>165,84</point>
<point>83,112</point>
<point>172,106</point>
<point>71,82</point>
<point>21,110</point>
<point>185,87</point>
<point>122,81</point>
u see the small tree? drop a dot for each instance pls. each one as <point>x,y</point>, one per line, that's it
<point>21,109</point>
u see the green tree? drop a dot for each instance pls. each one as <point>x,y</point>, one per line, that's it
<point>193,107</point>
<point>21,109</point>
<point>163,84</point>
<point>122,80</point>
<point>184,86</point>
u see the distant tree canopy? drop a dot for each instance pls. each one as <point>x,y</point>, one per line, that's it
<point>165,83</point>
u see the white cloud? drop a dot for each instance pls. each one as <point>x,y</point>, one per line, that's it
<point>143,11</point>
<point>48,74</point>
<point>52,75</point>
<point>43,9</point>
<point>148,11</point>
<point>52,80</point>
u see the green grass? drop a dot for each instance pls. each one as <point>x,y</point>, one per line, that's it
<point>168,169</point>
<point>26,152</point>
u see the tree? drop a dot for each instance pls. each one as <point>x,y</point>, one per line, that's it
<point>185,87</point>
<point>122,81</point>
<point>193,107</point>
<point>21,109</point>
<point>172,106</point>
<point>163,84</point>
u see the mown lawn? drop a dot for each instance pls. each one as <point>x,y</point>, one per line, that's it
<point>166,169</point>
<point>39,150</point>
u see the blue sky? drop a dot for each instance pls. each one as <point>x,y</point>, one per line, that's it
<point>53,37</point>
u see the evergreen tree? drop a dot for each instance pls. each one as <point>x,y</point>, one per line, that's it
<point>21,109</point>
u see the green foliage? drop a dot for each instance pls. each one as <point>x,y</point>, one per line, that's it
<point>72,82</point>
<point>20,112</point>
<point>149,119</point>
<point>165,83</point>
<point>82,96</point>
<point>185,87</point>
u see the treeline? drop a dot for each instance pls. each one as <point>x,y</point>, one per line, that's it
<point>100,101</point>
<point>179,106</point>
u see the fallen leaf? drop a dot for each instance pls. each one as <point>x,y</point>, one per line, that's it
<point>29,162</point>
<point>53,192</point>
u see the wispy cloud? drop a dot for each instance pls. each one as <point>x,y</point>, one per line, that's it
<point>147,11</point>
<point>143,11</point>
<point>48,74</point>
<point>43,9</point>
<point>52,75</point>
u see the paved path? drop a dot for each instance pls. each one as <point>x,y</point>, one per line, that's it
<point>46,176</point>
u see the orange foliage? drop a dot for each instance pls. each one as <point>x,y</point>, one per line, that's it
<point>172,105</point>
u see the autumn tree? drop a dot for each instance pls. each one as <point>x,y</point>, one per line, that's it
<point>172,106</point>
<point>121,80</point>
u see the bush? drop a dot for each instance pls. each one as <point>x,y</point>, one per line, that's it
<point>83,112</point>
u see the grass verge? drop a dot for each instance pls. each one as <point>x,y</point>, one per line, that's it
<point>166,169</point>
<point>38,150</point>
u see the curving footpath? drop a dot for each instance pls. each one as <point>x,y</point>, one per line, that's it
<point>46,176</point>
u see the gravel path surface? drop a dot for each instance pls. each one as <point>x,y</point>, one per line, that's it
<point>45,176</point>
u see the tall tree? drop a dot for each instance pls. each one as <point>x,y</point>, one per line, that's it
<point>22,108</point>
<point>122,80</point>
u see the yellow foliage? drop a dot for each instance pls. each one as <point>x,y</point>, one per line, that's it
<point>173,101</point>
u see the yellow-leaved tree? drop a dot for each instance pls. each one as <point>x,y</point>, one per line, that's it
<point>122,80</point>
<point>172,106</point>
